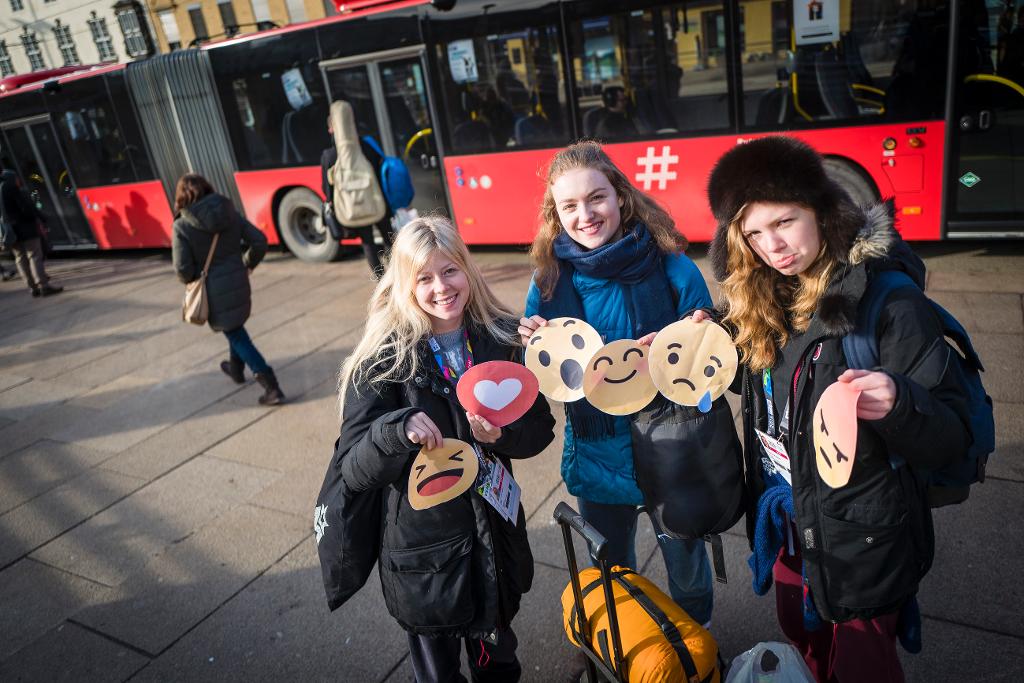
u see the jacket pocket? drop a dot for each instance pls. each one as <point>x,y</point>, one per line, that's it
<point>431,586</point>
<point>868,566</point>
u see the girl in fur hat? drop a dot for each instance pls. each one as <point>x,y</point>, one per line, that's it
<point>609,254</point>
<point>794,256</point>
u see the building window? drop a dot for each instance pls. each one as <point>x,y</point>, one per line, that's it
<point>6,68</point>
<point>135,43</point>
<point>330,9</point>
<point>296,10</point>
<point>170,27</point>
<point>195,13</point>
<point>66,44</point>
<point>17,5</point>
<point>227,17</point>
<point>31,45</point>
<point>261,13</point>
<point>101,36</point>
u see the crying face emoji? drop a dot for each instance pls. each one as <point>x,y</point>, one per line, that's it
<point>692,363</point>
<point>617,381</point>
<point>441,474</point>
<point>558,354</point>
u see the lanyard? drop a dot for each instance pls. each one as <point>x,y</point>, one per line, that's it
<point>450,373</point>
<point>783,426</point>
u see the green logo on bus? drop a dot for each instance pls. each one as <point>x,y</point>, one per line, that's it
<point>969,179</point>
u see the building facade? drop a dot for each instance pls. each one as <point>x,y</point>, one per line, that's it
<point>46,34</point>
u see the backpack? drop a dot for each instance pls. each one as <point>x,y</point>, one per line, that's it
<point>357,199</point>
<point>394,178</point>
<point>950,484</point>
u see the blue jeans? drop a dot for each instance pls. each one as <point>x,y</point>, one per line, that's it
<point>689,572</point>
<point>242,349</point>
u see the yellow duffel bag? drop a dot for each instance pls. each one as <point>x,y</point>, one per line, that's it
<point>660,642</point>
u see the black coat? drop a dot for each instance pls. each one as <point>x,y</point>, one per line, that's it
<point>18,208</point>
<point>867,545</point>
<point>227,283</point>
<point>458,568</point>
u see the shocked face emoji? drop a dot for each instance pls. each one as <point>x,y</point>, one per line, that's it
<point>442,474</point>
<point>558,353</point>
<point>693,363</point>
<point>617,381</point>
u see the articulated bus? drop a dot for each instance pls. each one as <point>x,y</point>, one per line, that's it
<point>918,100</point>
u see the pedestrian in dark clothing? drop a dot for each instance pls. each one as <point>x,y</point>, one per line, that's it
<point>794,256</point>
<point>21,214</point>
<point>452,573</point>
<point>328,159</point>
<point>201,213</point>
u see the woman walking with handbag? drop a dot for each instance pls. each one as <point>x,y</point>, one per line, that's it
<point>208,230</point>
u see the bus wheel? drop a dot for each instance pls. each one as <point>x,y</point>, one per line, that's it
<point>849,177</point>
<point>303,231</point>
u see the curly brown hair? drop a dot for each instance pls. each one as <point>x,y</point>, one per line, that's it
<point>636,206</point>
<point>190,189</point>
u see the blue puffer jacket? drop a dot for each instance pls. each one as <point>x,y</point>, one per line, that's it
<point>602,471</point>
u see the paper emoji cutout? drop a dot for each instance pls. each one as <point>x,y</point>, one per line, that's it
<point>616,380</point>
<point>835,433</point>
<point>692,363</point>
<point>498,390</point>
<point>442,474</point>
<point>558,353</point>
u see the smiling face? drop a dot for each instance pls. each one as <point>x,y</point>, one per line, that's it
<point>587,206</point>
<point>558,353</point>
<point>693,363</point>
<point>617,381</point>
<point>442,291</point>
<point>442,474</point>
<point>785,236</point>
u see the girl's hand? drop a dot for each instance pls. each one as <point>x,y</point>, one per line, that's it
<point>527,326</point>
<point>646,339</point>
<point>699,316</point>
<point>483,431</point>
<point>877,392</point>
<point>421,429</point>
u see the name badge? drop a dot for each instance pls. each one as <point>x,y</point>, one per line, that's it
<point>495,484</point>
<point>777,455</point>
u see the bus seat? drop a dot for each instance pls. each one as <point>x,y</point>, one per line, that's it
<point>834,86</point>
<point>591,119</point>
<point>472,136</point>
<point>532,130</point>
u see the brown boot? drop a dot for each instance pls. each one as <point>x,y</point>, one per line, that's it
<point>235,369</point>
<point>272,394</point>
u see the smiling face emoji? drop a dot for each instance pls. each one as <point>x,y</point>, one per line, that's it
<point>617,381</point>
<point>442,474</point>
<point>693,363</point>
<point>558,353</point>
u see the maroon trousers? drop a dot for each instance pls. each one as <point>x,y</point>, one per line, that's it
<point>850,652</point>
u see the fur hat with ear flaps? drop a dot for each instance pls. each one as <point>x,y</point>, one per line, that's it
<point>780,170</point>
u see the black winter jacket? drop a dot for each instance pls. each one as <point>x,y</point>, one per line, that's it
<point>227,283</point>
<point>456,569</point>
<point>867,545</point>
<point>18,209</point>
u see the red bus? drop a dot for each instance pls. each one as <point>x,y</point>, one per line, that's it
<point>920,100</point>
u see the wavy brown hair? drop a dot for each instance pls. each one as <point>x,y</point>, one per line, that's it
<point>636,206</point>
<point>762,304</point>
<point>190,189</point>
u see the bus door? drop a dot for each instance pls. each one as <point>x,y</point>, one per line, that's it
<point>31,147</point>
<point>388,94</point>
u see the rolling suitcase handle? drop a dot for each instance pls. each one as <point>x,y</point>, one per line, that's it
<point>614,670</point>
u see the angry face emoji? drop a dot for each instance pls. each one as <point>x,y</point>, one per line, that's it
<point>441,474</point>
<point>693,363</point>
<point>617,381</point>
<point>558,353</point>
<point>835,433</point>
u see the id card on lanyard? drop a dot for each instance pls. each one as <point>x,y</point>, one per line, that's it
<point>450,373</point>
<point>773,442</point>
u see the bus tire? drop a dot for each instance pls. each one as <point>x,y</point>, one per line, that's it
<point>850,177</point>
<point>299,222</point>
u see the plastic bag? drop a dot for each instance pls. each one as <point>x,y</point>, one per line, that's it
<point>769,662</point>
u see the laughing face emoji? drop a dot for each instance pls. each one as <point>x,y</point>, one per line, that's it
<point>692,363</point>
<point>558,353</point>
<point>617,381</point>
<point>441,474</point>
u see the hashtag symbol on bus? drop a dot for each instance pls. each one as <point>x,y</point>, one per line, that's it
<point>648,176</point>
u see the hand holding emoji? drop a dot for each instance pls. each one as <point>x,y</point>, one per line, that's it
<point>527,326</point>
<point>421,429</point>
<point>877,392</point>
<point>483,431</point>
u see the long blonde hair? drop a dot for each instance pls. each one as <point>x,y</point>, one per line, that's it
<point>395,322</point>
<point>762,304</point>
<point>635,206</point>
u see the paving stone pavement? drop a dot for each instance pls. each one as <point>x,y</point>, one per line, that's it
<point>155,521</point>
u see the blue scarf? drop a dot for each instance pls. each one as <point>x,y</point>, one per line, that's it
<point>637,264</point>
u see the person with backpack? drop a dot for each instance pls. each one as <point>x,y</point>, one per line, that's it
<point>452,573</point>
<point>342,111</point>
<point>21,225</point>
<point>208,230</point>
<point>795,256</point>
<point>608,254</point>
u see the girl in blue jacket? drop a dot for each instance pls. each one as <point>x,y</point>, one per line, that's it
<point>608,254</point>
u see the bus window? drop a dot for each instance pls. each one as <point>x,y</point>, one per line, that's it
<point>842,60</point>
<point>648,72</point>
<point>129,125</point>
<point>503,91</point>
